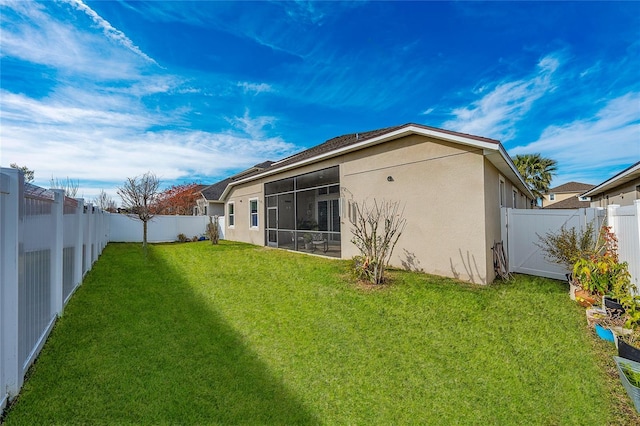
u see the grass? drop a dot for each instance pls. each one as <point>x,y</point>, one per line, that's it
<point>238,334</point>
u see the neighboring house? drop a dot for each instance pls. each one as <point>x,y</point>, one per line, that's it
<point>566,196</point>
<point>621,189</point>
<point>450,185</point>
<point>209,202</point>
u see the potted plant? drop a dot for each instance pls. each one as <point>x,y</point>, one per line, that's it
<point>566,247</point>
<point>629,346</point>
<point>629,372</point>
<point>602,275</point>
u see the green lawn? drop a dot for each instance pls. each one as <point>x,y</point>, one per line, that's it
<point>238,334</point>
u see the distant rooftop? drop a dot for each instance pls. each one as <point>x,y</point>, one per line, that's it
<point>571,187</point>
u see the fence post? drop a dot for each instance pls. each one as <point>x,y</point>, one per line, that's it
<point>637,204</point>
<point>87,237</point>
<point>77,264</point>
<point>611,209</point>
<point>12,183</point>
<point>57,217</point>
<point>92,233</point>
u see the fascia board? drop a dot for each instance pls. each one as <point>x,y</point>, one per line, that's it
<point>511,170</point>
<point>612,182</point>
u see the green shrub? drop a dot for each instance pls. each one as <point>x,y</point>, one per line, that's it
<point>633,376</point>
<point>569,245</point>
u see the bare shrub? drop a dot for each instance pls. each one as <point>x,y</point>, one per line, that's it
<point>376,230</point>
<point>139,195</point>
<point>212,230</point>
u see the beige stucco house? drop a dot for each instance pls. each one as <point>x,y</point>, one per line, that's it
<point>450,184</point>
<point>567,196</point>
<point>621,189</point>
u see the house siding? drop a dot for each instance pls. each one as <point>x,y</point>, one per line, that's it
<point>439,184</point>
<point>559,196</point>
<point>449,191</point>
<point>623,195</point>
<point>242,230</point>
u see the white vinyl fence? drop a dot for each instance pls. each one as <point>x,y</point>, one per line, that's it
<point>161,229</point>
<point>47,243</point>
<point>625,223</point>
<point>521,230</point>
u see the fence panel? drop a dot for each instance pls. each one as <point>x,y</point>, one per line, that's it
<point>41,238</point>
<point>625,223</point>
<point>521,230</point>
<point>124,228</point>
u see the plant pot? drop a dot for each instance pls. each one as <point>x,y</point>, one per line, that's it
<point>572,290</point>
<point>594,315</point>
<point>584,298</point>
<point>605,333</point>
<point>614,308</point>
<point>632,390</point>
<point>627,351</point>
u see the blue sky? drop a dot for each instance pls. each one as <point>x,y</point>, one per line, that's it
<point>196,91</point>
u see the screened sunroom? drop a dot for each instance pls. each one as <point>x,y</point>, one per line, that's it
<point>303,212</point>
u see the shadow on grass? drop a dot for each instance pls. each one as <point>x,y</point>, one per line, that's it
<point>136,345</point>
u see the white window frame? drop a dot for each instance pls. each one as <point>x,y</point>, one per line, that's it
<point>515,199</point>
<point>254,214</point>
<point>552,197</point>
<point>502,191</point>
<point>231,214</point>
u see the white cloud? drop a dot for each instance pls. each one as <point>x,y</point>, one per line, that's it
<point>609,139</point>
<point>252,126</point>
<point>109,31</point>
<point>34,36</point>
<point>255,87</point>
<point>104,147</point>
<point>496,113</point>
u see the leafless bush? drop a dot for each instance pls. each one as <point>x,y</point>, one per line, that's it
<point>212,230</point>
<point>376,230</point>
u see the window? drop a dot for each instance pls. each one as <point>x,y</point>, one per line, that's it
<point>515,199</point>
<point>253,212</point>
<point>232,214</point>
<point>552,197</point>
<point>503,194</point>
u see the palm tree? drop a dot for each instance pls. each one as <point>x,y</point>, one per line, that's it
<point>537,171</point>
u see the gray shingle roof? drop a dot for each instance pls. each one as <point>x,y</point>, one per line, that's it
<point>213,192</point>
<point>353,138</point>
<point>569,203</point>
<point>571,187</point>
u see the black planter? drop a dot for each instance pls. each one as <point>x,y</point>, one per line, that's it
<point>627,351</point>
<point>614,308</point>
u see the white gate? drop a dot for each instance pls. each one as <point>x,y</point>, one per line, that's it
<point>522,229</point>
